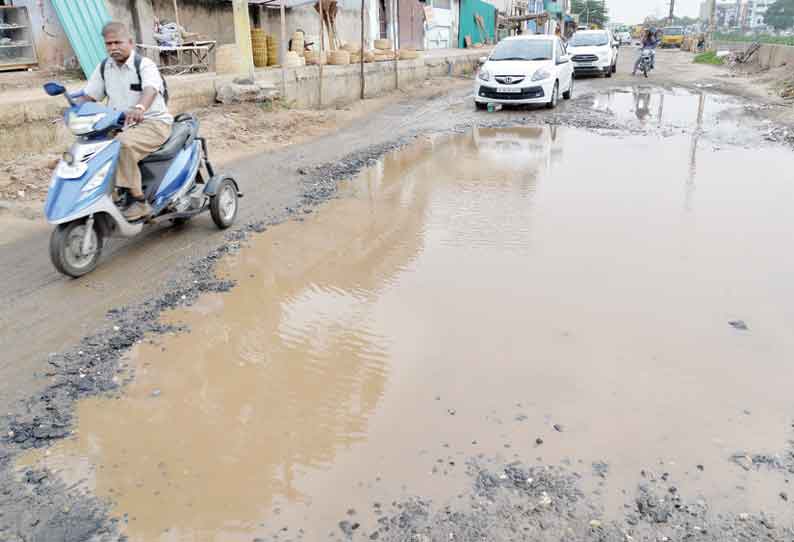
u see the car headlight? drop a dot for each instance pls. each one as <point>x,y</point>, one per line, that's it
<point>541,74</point>
<point>83,125</point>
<point>98,178</point>
<point>484,75</point>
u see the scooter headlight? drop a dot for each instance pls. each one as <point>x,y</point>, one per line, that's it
<point>98,178</point>
<point>82,125</point>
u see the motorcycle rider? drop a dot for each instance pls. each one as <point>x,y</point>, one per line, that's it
<point>649,41</point>
<point>136,87</point>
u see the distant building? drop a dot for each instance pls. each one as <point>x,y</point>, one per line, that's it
<point>757,12</point>
<point>744,13</point>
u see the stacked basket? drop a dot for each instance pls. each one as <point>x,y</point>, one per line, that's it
<point>339,58</point>
<point>259,47</point>
<point>408,54</point>
<point>272,50</point>
<point>383,50</point>
<point>313,57</point>
<point>383,56</point>
<point>383,45</point>
<point>297,43</point>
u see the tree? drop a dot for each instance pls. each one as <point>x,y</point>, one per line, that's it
<point>591,11</point>
<point>780,15</point>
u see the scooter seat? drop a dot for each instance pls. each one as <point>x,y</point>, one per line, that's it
<point>180,133</point>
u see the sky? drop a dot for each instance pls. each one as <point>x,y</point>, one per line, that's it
<point>635,11</point>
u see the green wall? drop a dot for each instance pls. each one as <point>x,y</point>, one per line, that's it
<point>468,26</point>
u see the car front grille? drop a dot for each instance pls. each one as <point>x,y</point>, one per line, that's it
<point>585,58</point>
<point>525,94</point>
<point>509,79</point>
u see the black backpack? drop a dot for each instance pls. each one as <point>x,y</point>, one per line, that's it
<point>138,87</point>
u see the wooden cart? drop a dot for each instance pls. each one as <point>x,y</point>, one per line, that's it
<point>195,57</point>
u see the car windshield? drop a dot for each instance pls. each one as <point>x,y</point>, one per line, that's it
<point>673,32</point>
<point>523,50</point>
<point>589,40</point>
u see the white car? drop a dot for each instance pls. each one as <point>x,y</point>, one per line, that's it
<point>624,38</point>
<point>593,52</point>
<point>525,70</point>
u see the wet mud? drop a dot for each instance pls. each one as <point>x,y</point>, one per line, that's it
<point>503,333</point>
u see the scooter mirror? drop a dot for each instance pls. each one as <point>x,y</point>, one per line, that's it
<point>54,89</point>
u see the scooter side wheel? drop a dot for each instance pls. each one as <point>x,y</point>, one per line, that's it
<point>224,204</point>
<point>66,249</point>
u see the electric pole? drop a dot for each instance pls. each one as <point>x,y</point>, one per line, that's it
<point>672,13</point>
<point>712,24</point>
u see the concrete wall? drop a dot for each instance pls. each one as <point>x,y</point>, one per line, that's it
<point>120,11</point>
<point>306,18</point>
<point>30,123</point>
<point>52,46</point>
<point>213,20</point>
<point>768,56</point>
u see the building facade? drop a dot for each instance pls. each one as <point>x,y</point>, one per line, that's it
<point>748,14</point>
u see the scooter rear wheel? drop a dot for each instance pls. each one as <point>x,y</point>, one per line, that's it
<point>66,249</point>
<point>224,204</point>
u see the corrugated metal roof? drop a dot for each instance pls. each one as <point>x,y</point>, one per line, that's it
<point>82,20</point>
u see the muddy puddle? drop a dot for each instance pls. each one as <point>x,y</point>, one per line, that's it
<point>671,108</point>
<point>542,294</point>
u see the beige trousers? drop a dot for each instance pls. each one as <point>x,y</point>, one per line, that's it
<point>137,142</point>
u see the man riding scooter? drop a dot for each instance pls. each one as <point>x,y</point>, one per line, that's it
<point>649,42</point>
<point>132,84</point>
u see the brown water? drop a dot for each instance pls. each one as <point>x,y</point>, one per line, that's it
<point>674,108</point>
<point>466,296</point>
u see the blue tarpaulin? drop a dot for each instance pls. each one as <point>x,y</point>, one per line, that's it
<point>82,21</point>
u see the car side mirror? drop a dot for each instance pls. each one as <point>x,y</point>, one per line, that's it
<point>482,60</point>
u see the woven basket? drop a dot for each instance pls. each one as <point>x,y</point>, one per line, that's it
<point>297,47</point>
<point>383,45</point>
<point>384,56</point>
<point>351,47</point>
<point>355,58</point>
<point>260,57</point>
<point>408,54</point>
<point>298,41</point>
<point>313,58</point>
<point>338,58</point>
<point>369,56</point>
<point>272,50</point>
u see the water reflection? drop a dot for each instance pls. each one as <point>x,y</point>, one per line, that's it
<point>279,375</point>
<point>489,272</point>
<point>664,107</point>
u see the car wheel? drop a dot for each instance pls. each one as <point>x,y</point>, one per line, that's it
<point>555,96</point>
<point>568,94</point>
<point>615,66</point>
<point>608,72</point>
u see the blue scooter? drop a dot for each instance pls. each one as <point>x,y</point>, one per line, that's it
<point>178,181</point>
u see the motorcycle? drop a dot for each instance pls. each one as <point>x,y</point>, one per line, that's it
<point>179,182</point>
<point>646,61</point>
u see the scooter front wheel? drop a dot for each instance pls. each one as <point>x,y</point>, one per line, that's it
<point>66,249</point>
<point>224,204</point>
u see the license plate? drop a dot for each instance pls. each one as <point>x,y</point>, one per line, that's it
<point>509,90</point>
<point>586,64</point>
